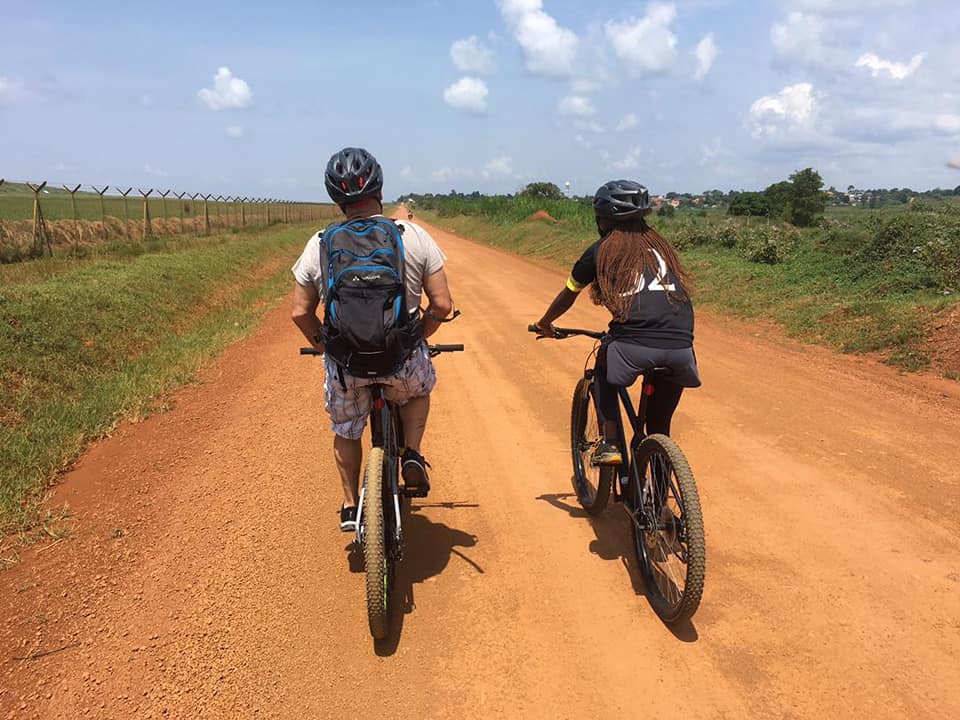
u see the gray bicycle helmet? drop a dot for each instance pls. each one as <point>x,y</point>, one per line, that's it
<point>353,174</point>
<point>620,200</point>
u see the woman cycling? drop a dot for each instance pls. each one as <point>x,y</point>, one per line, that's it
<point>635,273</point>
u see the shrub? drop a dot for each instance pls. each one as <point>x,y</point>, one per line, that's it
<point>768,243</point>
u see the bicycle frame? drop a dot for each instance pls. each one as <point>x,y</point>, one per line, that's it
<point>636,418</point>
<point>386,431</point>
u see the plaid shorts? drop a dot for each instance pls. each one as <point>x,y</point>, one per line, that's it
<point>348,409</point>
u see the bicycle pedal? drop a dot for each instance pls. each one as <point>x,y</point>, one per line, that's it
<point>416,492</point>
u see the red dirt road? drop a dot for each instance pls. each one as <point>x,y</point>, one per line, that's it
<point>204,575</point>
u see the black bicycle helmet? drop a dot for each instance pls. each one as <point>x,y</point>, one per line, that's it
<point>352,175</point>
<point>620,200</point>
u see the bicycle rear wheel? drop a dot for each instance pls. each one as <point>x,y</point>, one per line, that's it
<point>374,550</point>
<point>668,535</point>
<point>590,483</point>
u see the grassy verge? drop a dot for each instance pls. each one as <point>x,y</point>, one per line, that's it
<point>816,295</point>
<point>86,343</point>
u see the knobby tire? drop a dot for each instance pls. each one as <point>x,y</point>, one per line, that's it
<point>682,605</point>
<point>592,485</point>
<point>374,549</point>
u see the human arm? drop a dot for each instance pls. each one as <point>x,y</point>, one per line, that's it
<point>306,299</point>
<point>583,273</point>
<point>440,304</point>
<point>561,303</point>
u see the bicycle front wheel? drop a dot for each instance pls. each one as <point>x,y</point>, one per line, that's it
<point>668,536</point>
<point>590,483</point>
<point>374,550</point>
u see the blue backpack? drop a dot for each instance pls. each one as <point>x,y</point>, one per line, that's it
<point>367,330</point>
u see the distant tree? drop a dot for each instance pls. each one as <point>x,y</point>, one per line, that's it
<point>808,201</point>
<point>667,210</point>
<point>749,203</point>
<point>956,190</point>
<point>543,190</point>
<point>779,197</point>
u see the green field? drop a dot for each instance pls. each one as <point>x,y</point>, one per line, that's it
<point>85,342</point>
<point>862,280</point>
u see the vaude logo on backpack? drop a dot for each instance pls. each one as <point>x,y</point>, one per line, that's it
<point>367,329</point>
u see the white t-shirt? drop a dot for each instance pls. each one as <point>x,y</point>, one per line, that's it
<point>422,256</point>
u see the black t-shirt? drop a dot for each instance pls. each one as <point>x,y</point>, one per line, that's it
<point>654,319</point>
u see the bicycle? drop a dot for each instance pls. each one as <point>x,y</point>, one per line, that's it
<point>382,502</point>
<point>655,486</point>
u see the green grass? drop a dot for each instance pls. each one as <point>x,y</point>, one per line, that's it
<point>86,343</point>
<point>869,281</point>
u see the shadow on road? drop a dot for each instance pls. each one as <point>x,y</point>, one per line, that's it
<point>428,548</point>
<point>614,542</point>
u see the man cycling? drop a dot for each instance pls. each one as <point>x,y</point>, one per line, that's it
<point>636,274</point>
<point>354,181</point>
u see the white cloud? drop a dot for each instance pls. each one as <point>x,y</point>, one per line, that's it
<point>576,105</point>
<point>898,71</point>
<point>705,52</point>
<point>646,44</point>
<point>549,49</point>
<point>630,161</point>
<point>627,122</point>
<point>11,90</point>
<point>793,108</point>
<point>955,163</point>
<point>235,131</point>
<point>498,167</point>
<point>801,38</point>
<point>227,92</point>
<point>467,93</point>
<point>470,55</point>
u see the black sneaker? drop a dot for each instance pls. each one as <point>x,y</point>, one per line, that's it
<point>348,519</point>
<point>416,481</point>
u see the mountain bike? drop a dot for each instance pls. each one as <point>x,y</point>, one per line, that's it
<point>655,486</point>
<point>383,502</point>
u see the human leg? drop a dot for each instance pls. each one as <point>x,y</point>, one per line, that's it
<point>348,455</point>
<point>661,405</point>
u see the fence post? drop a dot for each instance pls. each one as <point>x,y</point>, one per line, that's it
<point>147,227</point>
<point>126,211</point>
<point>103,216</point>
<point>76,219</point>
<point>40,235</point>
<point>195,217</point>
<point>243,214</point>
<point>218,208</point>
<point>206,214</point>
<point>163,200</point>
<point>180,197</point>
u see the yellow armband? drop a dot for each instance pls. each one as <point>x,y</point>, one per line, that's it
<point>573,285</point>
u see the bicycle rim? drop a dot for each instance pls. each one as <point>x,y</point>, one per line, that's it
<point>590,483</point>
<point>374,549</point>
<point>667,528</point>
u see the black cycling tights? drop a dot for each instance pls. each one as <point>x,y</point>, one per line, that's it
<point>660,406</point>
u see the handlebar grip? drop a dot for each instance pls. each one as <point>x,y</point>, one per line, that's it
<point>532,328</point>
<point>446,348</point>
<point>310,351</point>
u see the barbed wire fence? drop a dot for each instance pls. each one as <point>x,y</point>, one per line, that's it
<point>71,219</point>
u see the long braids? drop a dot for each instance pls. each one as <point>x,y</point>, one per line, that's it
<point>625,257</point>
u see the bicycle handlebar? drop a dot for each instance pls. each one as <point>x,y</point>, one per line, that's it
<point>564,333</point>
<point>434,349</point>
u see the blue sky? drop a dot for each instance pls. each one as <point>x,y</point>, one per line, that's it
<point>252,98</point>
